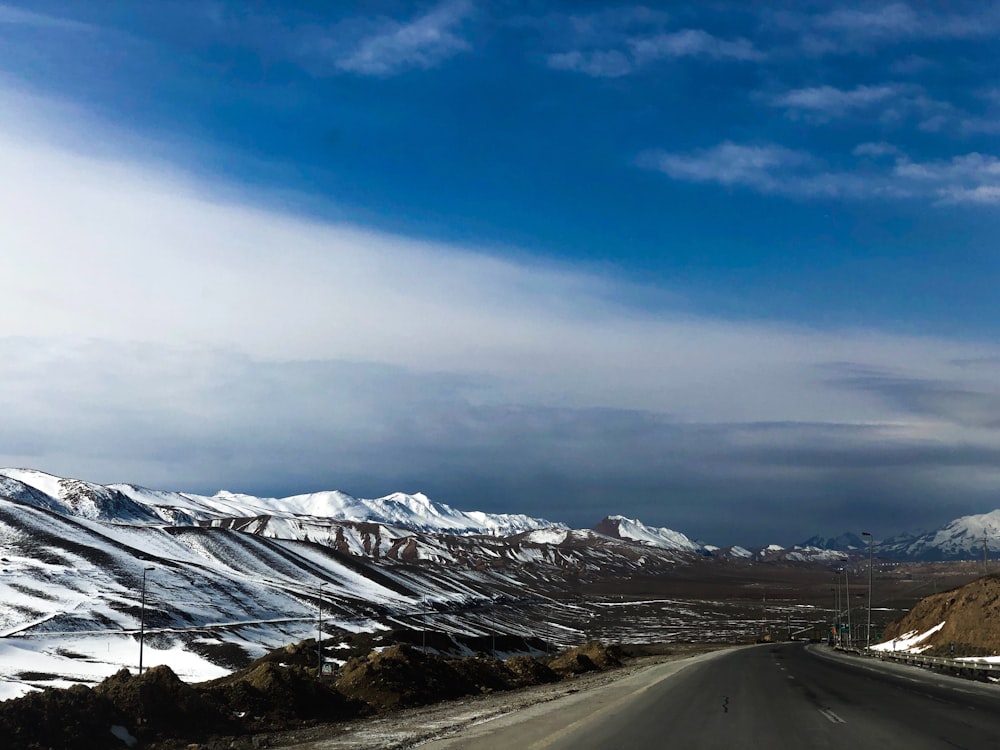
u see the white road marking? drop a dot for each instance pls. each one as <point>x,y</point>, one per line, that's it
<point>834,719</point>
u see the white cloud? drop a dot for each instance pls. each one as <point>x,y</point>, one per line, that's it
<point>861,29</point>
<point>969,178</point>
<point>618,42</point>
<point>765,168</point>
<point>890,104</point>
<point>890,20</point>
<point>100,248</point>
<point>393,46</point>
<point>597,64</point>
<point>691,43</point>
<point>876,150</point>
<point>20,17</point>
<point>833,102</point>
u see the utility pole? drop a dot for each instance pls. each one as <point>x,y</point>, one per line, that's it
<point>871,545</point>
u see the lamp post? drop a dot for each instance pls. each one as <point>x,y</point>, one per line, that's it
<point>871,544</point>
<point>838,611</point>
<point>319,634</point>
<point>847,598</point>
<point>836,607</point>
<point>142,616</point>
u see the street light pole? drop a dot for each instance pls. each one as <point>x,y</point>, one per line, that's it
<point>847,596</point>
<point>142,616</point>
<point>319,634</point>
<point>871,544</point>
<point>837,615</point>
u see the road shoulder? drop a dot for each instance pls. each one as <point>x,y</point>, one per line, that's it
<point>469,722</point>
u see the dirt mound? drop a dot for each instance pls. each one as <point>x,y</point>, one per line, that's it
<point>971,617</point>
<point>269,694</point>
<point>589,657</point>
<point>158,703</point>
<point>76,718</point>
<point>531,671</point>
<point>402,676</point>
<point>487,675</point>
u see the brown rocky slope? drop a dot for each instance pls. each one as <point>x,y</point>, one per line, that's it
<point>971,616</point>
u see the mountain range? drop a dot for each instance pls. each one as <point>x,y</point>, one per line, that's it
<point>324,517</point>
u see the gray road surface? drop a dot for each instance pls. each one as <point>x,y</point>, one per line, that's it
<point>771,696</point>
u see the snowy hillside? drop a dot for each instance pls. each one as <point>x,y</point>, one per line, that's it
<point>130,503</point>
<point>230,576</point>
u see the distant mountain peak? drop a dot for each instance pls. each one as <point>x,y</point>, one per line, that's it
<point>630,529</point>
<point>844,542</point>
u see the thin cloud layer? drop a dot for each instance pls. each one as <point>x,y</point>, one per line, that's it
<point>423,42</point>
<point>188,341</point>
<point>972,178</point>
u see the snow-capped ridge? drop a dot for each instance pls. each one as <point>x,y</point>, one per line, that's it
<point>135,504</point>
<point>73,497</point>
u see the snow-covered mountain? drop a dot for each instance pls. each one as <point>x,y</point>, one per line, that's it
<point>959,539</point>
<point>620,527</point>
<point>128,503</point>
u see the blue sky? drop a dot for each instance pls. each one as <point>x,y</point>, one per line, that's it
<point>725,267</point>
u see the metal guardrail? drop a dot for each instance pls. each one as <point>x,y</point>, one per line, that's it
<point>963,667</point>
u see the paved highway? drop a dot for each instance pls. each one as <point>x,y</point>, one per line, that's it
<point>770,696</point>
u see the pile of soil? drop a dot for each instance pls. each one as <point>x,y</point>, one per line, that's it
<point>531,671</point>
<point>402,676</point>
<point>971,616</point>
<point>158,702</point>
<point>589,657</point>
<point>76,718</point>
<point>267,695</point>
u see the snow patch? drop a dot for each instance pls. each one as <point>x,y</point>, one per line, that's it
<point>909,642</point>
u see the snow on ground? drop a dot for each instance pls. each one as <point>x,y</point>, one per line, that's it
<point>25,663</point>
<point>815,554</point>
<point>909,642</point>
<point>547,536</point>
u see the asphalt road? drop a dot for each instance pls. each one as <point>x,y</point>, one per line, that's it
<point>771,696</point>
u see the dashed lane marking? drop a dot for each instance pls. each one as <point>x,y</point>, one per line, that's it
<point>834,719</point>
